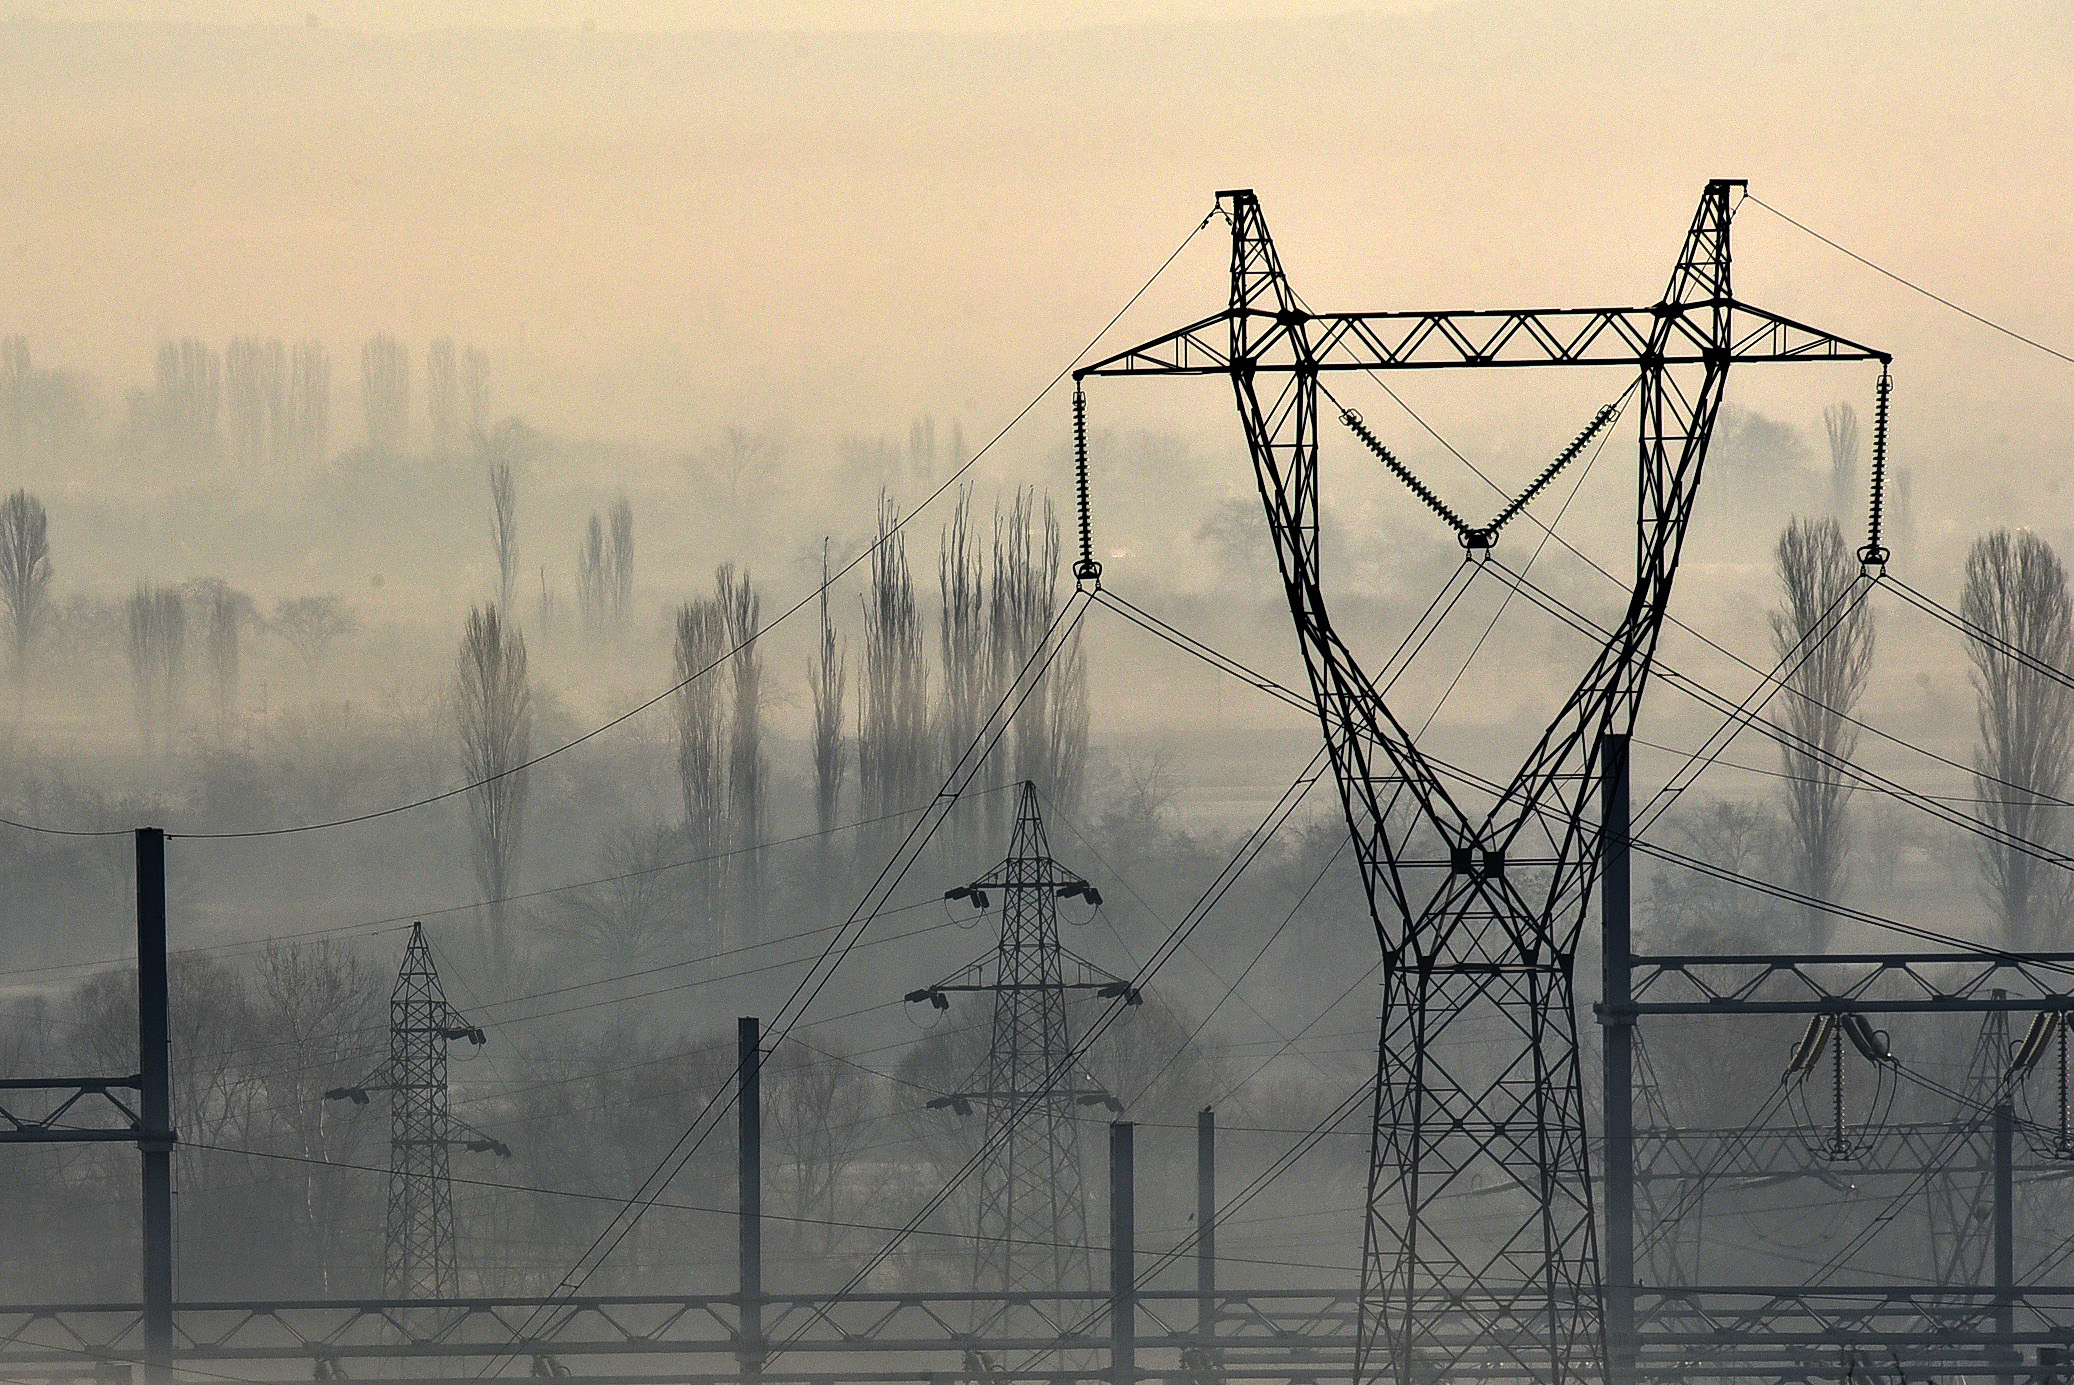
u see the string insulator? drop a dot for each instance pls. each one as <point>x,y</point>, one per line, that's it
<point>1874,554</point>
<point>1397,469</point>
<point>1087,569</point>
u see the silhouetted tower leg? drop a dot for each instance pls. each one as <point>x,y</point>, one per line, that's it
<point>419,1260</point>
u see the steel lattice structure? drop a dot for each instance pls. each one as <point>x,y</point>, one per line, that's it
<point>418,1256</point>
<point>1032,1224</point>
<point>1481,945</point>
<point>419,1259</point>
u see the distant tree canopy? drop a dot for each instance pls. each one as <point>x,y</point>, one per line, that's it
<point>1822,633</point>
<point>2016,592</point>
<point>25,569</point>
<point>493,705</point>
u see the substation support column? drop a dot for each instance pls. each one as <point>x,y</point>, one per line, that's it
<point>1123,1258</point>
<point>1205,1228</point>
<point>1617,1027</point>
<point>155,1129</point>
<point>2005,1233</point>
<point>749,1192</point>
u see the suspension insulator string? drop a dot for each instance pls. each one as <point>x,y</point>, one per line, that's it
<point>1087,569</point>
<point>1398,469</point>
<point>1551,471</point>
<point>1874,555</point>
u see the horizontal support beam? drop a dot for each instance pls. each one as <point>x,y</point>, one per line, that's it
<point>1315,343</point>
<point>1728,1005</point>
<point>37,1135</point>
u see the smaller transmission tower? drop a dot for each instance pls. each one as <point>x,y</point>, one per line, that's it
<point>1032,1204</point>
<point>418,1256</point>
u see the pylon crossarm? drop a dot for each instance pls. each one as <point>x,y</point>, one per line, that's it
<point>1666,334</point>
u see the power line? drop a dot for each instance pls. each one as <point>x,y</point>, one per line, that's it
<point>1909,283</point>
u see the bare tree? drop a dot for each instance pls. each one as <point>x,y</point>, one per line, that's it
<point>827,677</point>
<point>1024,596</point>
<point>593,577</point>
<point>622,560</point>
<point>24,570</point>
<point>312,624</point>
<point>818,1103</point>
<point>893,712</point>
<point>741,611</point>
<point>442,396</point>
<point>1824,640</point>
<point>16,375</point>
<point>966,645</point>
<point>494,715</point>
<point>216,1086</point>
<point>624,918</point>
<point>255,386</point>
<point>189,381</point>
<point>502,449</point>
<point>1841,423</point>
<point>702,741</point>
<point>385,394</point>
<point>2016,592</point>
<point>475,389</point>
<point>157,648</point>
<point>321,1011</point>
<point>309,402</point>
<point>226,610</point>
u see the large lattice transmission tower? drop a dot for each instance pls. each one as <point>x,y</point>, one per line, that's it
<point>1032,1223</point>
<point>419,1259</point>
<point>1478,908</point>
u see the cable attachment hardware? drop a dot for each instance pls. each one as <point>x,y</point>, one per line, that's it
<point>1874,555</point>
<point>1087,569</point>
<point>1413,483</point>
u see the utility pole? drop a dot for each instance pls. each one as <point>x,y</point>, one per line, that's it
<point>1123,1256</point>
<point>1032,1205</point>
<point>1617,1018</point>
<point>1477,1066</point>
<point>1205,1227</point>
<point>749,1192</point>
<point>155,1129</point>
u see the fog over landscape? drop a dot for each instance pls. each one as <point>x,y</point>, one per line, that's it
<point>390,403</point>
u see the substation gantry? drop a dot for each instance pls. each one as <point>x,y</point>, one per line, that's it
<point>1478,1079</point>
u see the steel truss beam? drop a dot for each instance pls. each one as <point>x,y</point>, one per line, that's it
<point>1853,982</point>
<point>1478,1074</point>
<point>1766,1332</point>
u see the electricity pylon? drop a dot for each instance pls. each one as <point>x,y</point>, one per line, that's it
<point>418,1258</point>
<point>1478,1082</point>
<point>1032,1221</point>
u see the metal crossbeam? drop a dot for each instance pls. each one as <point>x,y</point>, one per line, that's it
<point>1853,982</point>
<point>1286,341</point>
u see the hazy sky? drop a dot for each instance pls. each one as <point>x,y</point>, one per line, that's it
<point>663,231</point>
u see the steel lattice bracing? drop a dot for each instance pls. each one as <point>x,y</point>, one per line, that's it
<point>1478,1073</point>
<point>1032,1223</point>
<point>419,1258</point>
